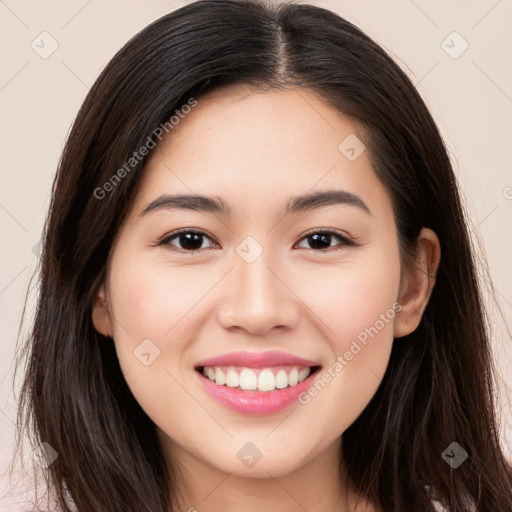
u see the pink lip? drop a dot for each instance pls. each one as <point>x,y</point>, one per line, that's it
<point>257,360</point>
<point>255,402</point>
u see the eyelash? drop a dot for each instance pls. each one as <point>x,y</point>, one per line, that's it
<point>345,241</point>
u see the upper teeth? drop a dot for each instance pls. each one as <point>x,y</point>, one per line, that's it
<point>262,379</point>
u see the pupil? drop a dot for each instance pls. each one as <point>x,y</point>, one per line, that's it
<point>319,237</point>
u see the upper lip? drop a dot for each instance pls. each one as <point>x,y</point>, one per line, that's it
<point>256,359</point>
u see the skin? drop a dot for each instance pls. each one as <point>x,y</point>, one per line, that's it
<point>256,150</point>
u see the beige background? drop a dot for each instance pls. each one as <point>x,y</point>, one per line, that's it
<point>469,96</point>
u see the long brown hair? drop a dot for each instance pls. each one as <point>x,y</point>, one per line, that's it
<point>438,387</point>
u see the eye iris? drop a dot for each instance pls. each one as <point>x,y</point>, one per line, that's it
<point>320,238</point>
<point>191,240</point>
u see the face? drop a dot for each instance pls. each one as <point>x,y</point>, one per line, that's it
<point>310,293</point>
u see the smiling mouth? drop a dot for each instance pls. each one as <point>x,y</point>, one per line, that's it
<point>266,379</point>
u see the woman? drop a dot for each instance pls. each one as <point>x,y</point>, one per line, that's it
<point>267,369</point>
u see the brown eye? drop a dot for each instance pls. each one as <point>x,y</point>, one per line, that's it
<point>189,240</point>
<point>320,240</point>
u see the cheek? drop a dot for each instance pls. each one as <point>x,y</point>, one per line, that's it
<point>355,298</point>
<point>158,315</point>
<point>152,302</point>
<point>357,308</point>
<point>153,315</point>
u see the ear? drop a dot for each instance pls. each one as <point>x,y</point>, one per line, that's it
<point>417,283</point>
<point>100,313</point>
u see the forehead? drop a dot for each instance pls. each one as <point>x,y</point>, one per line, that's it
<point>259,123</point>
<point>263,144</point>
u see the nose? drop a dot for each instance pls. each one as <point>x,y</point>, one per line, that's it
<point>258,298</point>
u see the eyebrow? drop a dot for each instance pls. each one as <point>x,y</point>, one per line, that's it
<point>216,205</point>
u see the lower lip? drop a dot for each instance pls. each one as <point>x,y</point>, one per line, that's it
<point>255,402</point>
